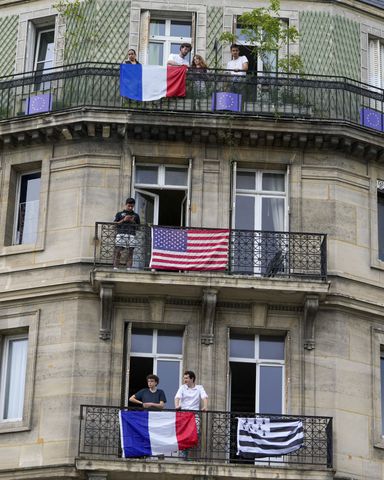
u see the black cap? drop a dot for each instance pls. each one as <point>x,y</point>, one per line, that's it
<point>130,200</point>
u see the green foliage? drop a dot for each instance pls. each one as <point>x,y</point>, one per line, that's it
<point>266,32</point>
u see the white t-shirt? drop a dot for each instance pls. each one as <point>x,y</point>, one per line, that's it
<point>237,65</point>
<point>175,57</point>
<point>190,397</point>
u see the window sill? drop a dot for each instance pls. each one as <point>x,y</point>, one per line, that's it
<point>379,444</point>
<point>13,426</point>
<point>16,249</point>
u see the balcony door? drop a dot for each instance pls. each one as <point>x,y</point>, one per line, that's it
<point>162,193</point>
<point>260,205</point>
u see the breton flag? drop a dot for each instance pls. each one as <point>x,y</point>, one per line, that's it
<point>266,437</point>
<point>152,82</point>
<point>145,433</point>
<point>187,249</point>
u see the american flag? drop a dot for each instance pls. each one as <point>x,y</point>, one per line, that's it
<point>189,249</point>
<point>267,437</point>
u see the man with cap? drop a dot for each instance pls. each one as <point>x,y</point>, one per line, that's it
<point>126,222</point>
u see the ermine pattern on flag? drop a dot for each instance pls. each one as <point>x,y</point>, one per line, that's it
<point>156,433</point>
<point>189,249</point>
<point>265,437</point>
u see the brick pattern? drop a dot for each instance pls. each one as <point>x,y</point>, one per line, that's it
<point>8,43</point>
<point>214,29</point>
<point>330,44</point>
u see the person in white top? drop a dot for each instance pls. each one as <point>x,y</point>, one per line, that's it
<point>238,65</point>
<point>191,396</point>
<point>177,59</point>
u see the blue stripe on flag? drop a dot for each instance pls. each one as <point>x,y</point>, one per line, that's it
<point>135,440</point>
<point>131,81</point>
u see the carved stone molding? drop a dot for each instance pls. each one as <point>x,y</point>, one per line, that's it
<point>106,308</point>
<point>311,307</point>
<point>208,314</point>
<point>156,308</point>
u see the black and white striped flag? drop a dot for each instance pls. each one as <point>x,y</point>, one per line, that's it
<point>267,437</point>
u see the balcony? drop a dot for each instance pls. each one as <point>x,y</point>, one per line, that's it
<point>277,96</point>
<point>294,256</point>
<point>99,442</point>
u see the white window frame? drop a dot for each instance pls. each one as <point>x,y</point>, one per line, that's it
<point>39,33</point>
<point>20,325</point>
<point>259,362</point>
<point>258,194</point>
<point>166,40</point>
<point>4,374</point>
<point>376,62</point>
<point>17,207</point>
<point>161,176</point>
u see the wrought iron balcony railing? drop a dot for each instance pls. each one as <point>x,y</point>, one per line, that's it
<point>248,252</point>
<point>100,437</point>
<point>316,97</point>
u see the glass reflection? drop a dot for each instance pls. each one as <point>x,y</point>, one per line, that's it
<point>169,342</point>
<point>271,387</point>
<point>271,348</point>
<point>141,341</point>
<point>242,346</point>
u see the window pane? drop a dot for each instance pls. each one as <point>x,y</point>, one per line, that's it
<point>169,374</point>
<point>181,28</point>
<point>246,180</point>
<point>156,53</point>
<point>16,364</point>
<point>273,182</point>
<point>28,209</point>
<point>242,346</point>
<point>382,392</point>
<point>169,342</point>
<point>141,341</point>
<point>176,176</point>
<point>272,214</point>
<point>46,50</point>
<point>157,27</point>
<point>146,175</point>
<point>380,224</point>
<point>240,36</point>
<point>245,212</point>
<point>271,348</point>
<point>271,386</point>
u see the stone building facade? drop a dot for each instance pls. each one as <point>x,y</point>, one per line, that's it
<point>292,328</point>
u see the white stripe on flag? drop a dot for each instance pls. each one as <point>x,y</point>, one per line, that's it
<point>154,82</point>
<point>162,432</point>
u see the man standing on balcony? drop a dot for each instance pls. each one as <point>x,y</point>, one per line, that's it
<point>238,65</point>
<point>126,223</point>
<point>151,398</point>
<point>178,59</point>
<point>189,396</point>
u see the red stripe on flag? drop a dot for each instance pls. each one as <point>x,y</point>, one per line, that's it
<point>186,430</point>
<point>176,81</point>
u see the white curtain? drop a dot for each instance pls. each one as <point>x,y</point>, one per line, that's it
<point>15,368</point>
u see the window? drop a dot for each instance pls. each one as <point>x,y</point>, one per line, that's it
<point>13,371</point>
<point>27,208</point>
<point>260,200</point>
<point>380,218</point>
<point>44,49</point>
<point>159,352</point>
<point>165,37</point>
<point>382,389</point>
<point>257,373</point>
<point>376,63</point>
<point>162,194</point>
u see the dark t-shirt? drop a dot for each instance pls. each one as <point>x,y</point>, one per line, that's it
<point>127,227</point>
<point>145,395</point>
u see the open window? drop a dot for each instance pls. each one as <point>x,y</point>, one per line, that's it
<point>27,208</point>
<point>162,33</point>
<point>162,194</point>
<point>380,218</point>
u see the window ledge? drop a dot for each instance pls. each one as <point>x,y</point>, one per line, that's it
<point>13,426</point>
<point>16,249</point>
<point>379,444</point>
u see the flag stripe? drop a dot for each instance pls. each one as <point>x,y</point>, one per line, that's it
<point>186,430</point>
<point>184,249</point>
<point>154,82</point>
<point>265,437</point>
<point>176,87</point>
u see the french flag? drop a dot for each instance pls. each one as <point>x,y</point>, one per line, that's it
<point>146,433</point>
<point>152,82</point>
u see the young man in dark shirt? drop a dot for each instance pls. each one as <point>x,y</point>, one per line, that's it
<point>126,222</point>
<point>152,397</point>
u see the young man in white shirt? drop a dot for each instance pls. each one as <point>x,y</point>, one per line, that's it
<point>191,396</point>
<point>177,59</point>
<point>238,65</point>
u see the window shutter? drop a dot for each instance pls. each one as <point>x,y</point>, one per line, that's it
<point>145,19</point>
<point>374,63</point>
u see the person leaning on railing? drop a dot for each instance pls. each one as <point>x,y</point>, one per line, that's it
<point>126,223</point>
<point>132,57</point>
<point>239,67</point>
<point>197,70</point>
